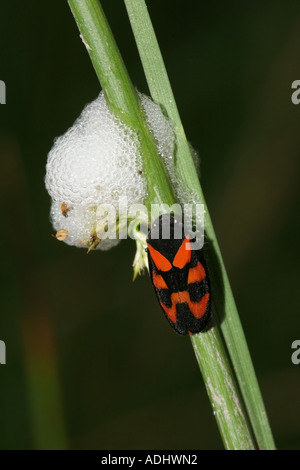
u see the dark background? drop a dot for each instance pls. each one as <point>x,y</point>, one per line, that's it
<point>91,361</point>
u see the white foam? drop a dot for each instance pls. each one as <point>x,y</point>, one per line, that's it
<point>97,161</point>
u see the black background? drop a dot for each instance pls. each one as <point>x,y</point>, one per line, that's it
<point>91,361</point>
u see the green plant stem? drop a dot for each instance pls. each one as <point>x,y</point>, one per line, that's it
<point>225,310</point>
<point>123,102</point>
<point>120,94</point>
<point>222,390</point>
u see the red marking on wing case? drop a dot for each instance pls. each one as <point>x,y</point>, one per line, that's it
<point>158,281</point>
<point>183,255</point>
<point>159,260</point>
<point>198,308</point>
<point>170,312</point>
<point>176,298</point>
<point>196,274</point>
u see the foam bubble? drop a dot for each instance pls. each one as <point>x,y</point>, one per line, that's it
<point>97,161</point>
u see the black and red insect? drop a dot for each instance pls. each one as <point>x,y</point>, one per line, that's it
<point>179,276</point>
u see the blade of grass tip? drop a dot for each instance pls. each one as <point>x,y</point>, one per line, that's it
<point>110,70</point>
<point>231,327</point>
